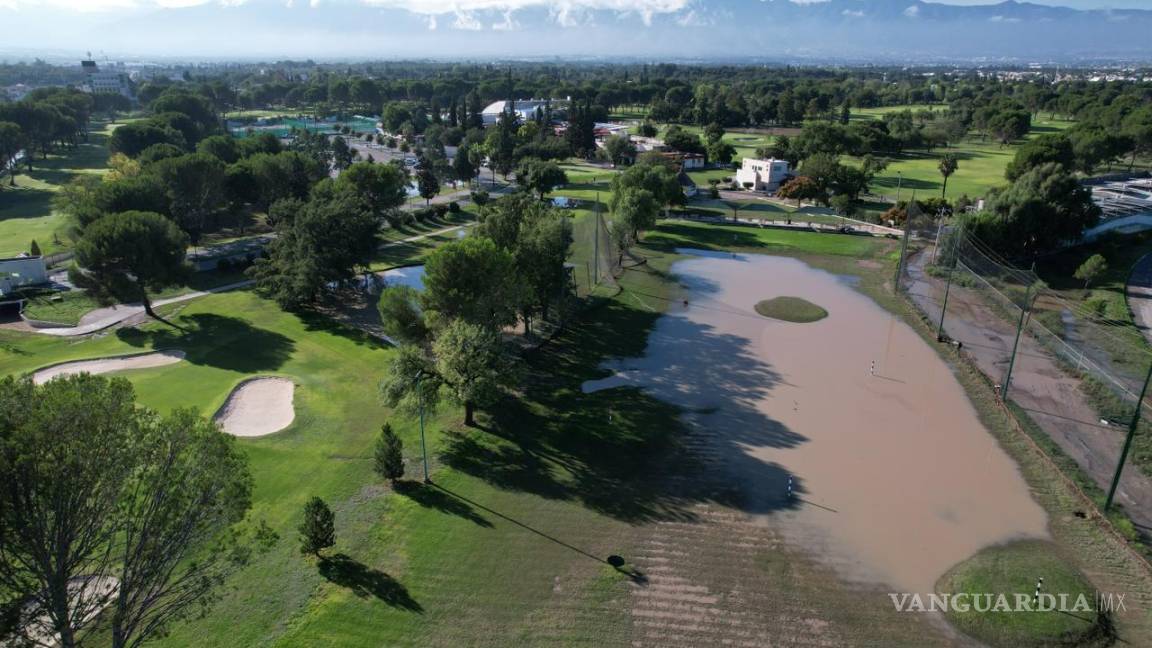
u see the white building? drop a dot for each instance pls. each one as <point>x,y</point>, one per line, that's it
<point>99,81</point>
<point>24,270</point>
<point>762,175</point>
<point>524,108</point>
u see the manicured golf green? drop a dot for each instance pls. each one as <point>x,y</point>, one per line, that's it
<point>791,309</point>
<point>1012,570</point>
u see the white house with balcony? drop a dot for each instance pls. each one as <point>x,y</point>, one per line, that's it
<point>762,175</point>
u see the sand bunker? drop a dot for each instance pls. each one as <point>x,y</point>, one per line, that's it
<point>258,406</point>
<point>895,480</point>
<point>108,365</point>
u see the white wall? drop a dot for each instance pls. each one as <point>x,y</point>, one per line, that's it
<point>22,271</point>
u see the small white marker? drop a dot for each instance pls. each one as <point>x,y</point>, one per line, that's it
<point>873,369</point>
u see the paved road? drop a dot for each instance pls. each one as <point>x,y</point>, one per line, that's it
<point>102,318</point>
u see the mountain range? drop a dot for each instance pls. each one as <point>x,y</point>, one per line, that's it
<point>885,31</point>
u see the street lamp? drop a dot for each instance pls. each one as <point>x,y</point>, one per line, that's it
<point>423,443</point>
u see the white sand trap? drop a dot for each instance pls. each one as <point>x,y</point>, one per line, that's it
<point>258,406</point>
<point>109,365</point>
<point>895,478</point>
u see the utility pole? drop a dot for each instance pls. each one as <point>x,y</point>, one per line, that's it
<point>899,185</point>
<point>1024,311</point>
<point>423,443</point>
<point>1128,441</point>
<point>903,245</point>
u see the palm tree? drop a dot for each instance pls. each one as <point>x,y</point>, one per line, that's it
<point>948,166</point>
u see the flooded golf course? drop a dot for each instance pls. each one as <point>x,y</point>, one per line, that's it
<point>893,478</point>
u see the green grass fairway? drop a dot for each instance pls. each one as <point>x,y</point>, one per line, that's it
<point>1012,570</point>
<point>26,212</point>
<point>672,234</point>
<point>791,309</point>
<point>982,162</point>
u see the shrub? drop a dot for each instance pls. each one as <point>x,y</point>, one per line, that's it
<point>454,207</point>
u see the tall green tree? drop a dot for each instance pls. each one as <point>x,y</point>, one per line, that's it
<point>194,185</point>
<point>65,453</point>
<point>401,316</point>
<point>321,243</point>
<point>947,166</point>
<point>389,455</point>
<point>95,490</point>
<point>383,187</point>
<point>471,280</point>
<point>342,154</point>
<point>426,181</point>
<point>1092,268</point>
<point>190,487</point>
<point>124,255</point>
<point>11,143</point>
<point>318,528</point>
<point>539,176</point>
<point>472,364</point>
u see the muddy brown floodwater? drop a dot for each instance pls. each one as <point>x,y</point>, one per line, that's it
<point>894,478</point>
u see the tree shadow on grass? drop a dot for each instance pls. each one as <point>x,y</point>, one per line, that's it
<point>435,498</point>
<point>326,321</point>
<point>364,582</point>
<point>217,341</point>
<point>672,431</point>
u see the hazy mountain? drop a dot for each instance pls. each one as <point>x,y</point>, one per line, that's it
<point>885,30</point>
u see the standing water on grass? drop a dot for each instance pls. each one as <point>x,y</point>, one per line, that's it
<point>894,478</point>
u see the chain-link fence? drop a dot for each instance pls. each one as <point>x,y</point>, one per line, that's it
<point>1059,363</point>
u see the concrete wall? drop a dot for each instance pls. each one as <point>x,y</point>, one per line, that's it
<point>22,271</point>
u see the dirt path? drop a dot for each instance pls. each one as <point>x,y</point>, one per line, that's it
<point>1050,397</point>
<point>102,318</point>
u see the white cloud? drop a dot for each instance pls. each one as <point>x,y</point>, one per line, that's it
<point>508,24</point>
<point>641,7</point>
<point>852,14</point>
<point>432,23</point>
<point>692,19</point>
<point>466,21</point>
<point>912,11</point>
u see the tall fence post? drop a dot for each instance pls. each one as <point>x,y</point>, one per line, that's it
<point>1024,310</point>
<point>1128,441</point>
